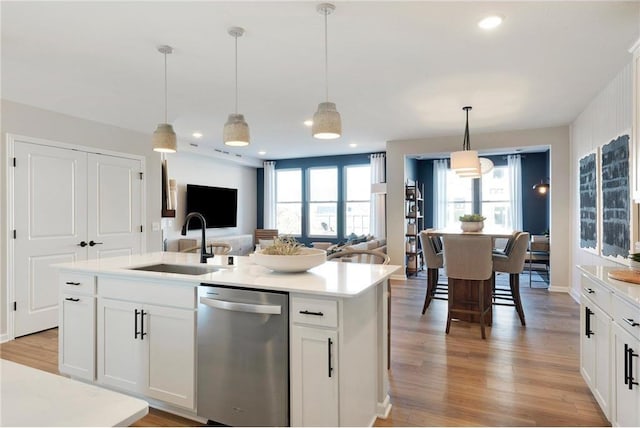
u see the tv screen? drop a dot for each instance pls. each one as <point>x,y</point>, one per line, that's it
<point>218,205</point>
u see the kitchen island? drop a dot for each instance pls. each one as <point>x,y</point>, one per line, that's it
<point>134,330</point>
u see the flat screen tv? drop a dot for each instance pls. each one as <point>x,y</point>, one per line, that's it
<point>218,205</point>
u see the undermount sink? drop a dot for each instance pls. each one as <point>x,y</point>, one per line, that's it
<point>181,269</point>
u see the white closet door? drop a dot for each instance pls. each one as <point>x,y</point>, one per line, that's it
<point>115,206</point>
<point>50,215</point>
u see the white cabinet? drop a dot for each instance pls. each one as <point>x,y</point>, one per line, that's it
<point>314,376</point>
<point>77,326</point>
<point>595,349</point>
<point>147,348</point>
<point>626,349</point>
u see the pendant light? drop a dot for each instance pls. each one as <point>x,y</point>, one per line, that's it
<point>164,138</point>
<point>465,162</point>
<point>236,130</point>
<point>327,124</point>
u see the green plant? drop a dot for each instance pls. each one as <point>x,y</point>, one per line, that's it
<point>284,246</point>
<point>471,217</point>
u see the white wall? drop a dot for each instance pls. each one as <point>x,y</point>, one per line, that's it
<point>557,139</point>
<point>607,116</point>
<point>189,168</point>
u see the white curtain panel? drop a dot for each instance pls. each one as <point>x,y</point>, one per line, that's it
<point>440,168</point>
<point>514,167</point>
<point>270,195</point>
<point>378,216</point>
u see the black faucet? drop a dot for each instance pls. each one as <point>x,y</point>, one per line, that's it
<point>203,223</point>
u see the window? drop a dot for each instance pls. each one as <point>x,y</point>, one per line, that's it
<point>289,201</point>
<point>358,199</point>
<point>459,197</point>
<point>496,198</point>
<point>323,201</point>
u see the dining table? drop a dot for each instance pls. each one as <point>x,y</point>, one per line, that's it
<point>466,291</point>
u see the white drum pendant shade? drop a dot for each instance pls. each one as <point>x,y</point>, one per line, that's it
<point>465,160</point>
<point>486,165</point>
<point>236,131</point>
<point>327,124</point>
<point>164,139</point>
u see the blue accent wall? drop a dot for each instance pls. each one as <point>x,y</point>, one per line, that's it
<point>260,198</point>
<point>535,207</point>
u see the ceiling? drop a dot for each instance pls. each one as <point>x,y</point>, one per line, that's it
<point>397,70</point>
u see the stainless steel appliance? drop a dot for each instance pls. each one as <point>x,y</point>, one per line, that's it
<point>243,356</point>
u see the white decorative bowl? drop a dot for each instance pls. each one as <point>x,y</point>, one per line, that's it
<point>309,258</point>
<point>472,226</point>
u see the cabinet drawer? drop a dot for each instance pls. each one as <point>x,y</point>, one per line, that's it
<point>172,293</point>
<point>597,293</point>
<point>78,283</point>
<point>627,316</point>
<point>320,312</point>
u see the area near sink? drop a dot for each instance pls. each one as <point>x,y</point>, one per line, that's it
<point>180,269</point>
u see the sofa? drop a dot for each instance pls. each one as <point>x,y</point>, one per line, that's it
<point>377,244</point>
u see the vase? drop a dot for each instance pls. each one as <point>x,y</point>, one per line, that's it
<point>471,226</point>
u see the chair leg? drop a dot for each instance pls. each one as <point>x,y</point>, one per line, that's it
<point>430,290</point>
<point>514,283</point>
<point>482,309</point>
<point>449,306</point>
<point>530,273</point>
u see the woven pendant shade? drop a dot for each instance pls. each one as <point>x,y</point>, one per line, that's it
<point>236,131</point>
<point>327,124</point>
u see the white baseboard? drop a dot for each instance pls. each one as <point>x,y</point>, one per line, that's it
<point>556,289</point>
<point>401,277</point>
<point>384,408</point>
<point>4,338</point>
<point>575,295</point>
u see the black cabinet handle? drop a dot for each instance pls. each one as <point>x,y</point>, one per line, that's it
<point>135,323</point>
<point>82,244</point>
<point>587,321</point>
<point>142,333</point>
<point>631,322</point>
<point>319,314</point>
<point>72,283</point>
<point>630,354</point>
<point>329,343</point>
<point>92,243</point>
<point>71,299</point>
<point>590,291</point>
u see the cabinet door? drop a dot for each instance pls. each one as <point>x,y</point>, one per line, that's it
<point>170,347</point>
<point>627,396</point>
<point>77,336</point>
<point>314,377</point>
<point>119,345</point>
<point>595,355</point>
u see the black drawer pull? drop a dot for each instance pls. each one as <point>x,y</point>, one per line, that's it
<point>329,343</point>
<point>72,283</point>
<point>135,323</point>
<point>590,291</point>
<point>142,333</point>
<point>631,322</point>
<point>628,372</point>
<point>71,299</point>
<point>587,320</point>
<point>92,243</point>
<point>318,314</point>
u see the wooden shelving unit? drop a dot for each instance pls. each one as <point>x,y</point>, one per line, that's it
<point>414,223</point>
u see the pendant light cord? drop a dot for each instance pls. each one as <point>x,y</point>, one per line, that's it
<point>326,57</point>
<point>466,142</point>
<point>166,102</point>
<point>236,37</point>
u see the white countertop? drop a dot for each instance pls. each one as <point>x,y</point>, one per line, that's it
<point>32,397</point>
<point>330,279</point>
<point>626,290</point>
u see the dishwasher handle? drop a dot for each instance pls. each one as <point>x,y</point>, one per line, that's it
<point>241,307</point>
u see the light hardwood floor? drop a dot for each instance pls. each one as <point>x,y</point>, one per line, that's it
<point>519,376</point>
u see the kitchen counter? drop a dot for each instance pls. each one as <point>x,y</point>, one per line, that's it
<point>32,397</point>
<point>329,279</point>
<point>626,290</point>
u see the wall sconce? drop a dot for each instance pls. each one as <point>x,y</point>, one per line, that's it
<point>542,188</point>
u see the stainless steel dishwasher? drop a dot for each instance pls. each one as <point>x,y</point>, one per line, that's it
<point>243,356</point>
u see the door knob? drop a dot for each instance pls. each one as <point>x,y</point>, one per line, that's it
<point>82,244</point>
<point>92,243</point>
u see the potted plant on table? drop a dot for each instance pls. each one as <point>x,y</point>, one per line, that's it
<point>471,222</point>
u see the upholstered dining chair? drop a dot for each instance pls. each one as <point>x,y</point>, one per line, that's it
<point>219,248</point>
<point>432,251</point>
<point>512,262</point>
<point>360,256</point>
<point>467,262</point>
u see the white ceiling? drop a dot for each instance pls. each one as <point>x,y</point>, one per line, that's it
<point>397,70</point>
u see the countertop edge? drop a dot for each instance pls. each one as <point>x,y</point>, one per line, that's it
<point>610,283</point>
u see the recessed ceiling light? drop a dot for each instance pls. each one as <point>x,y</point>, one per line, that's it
<point>197,135</point>
<point>490,22</point>
<point>262,153</point>
<point>353,145</point>
<point>308,122</point>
